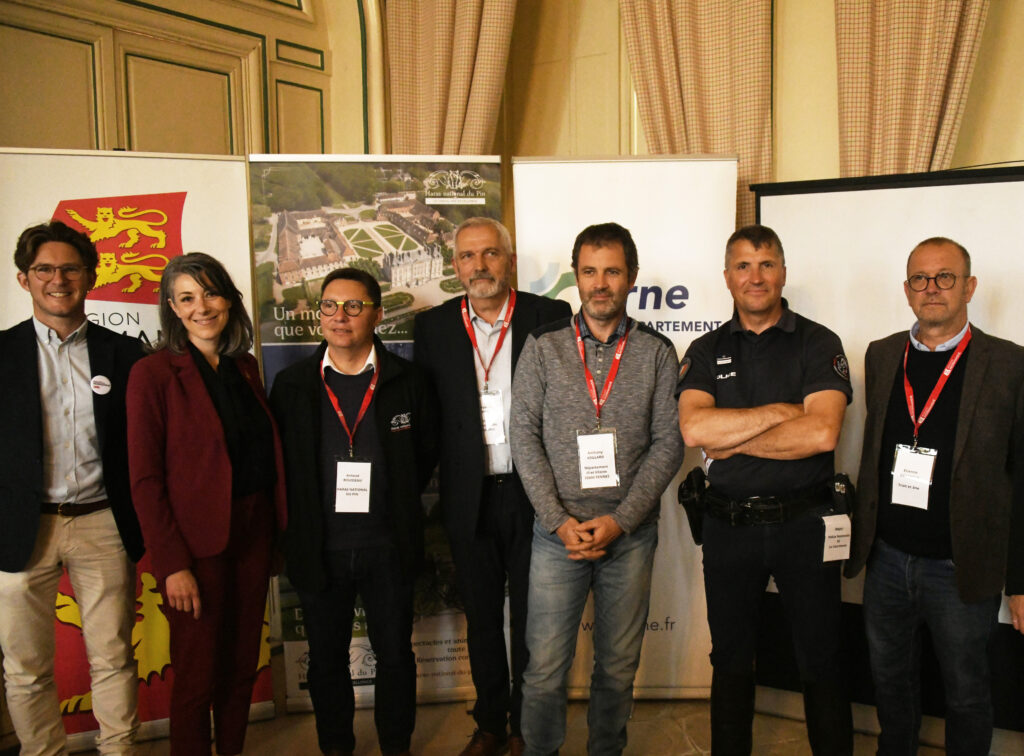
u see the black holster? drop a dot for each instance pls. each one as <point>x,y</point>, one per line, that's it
<point>691,499</point>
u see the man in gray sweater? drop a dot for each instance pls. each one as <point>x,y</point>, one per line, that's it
<point>595,439</point>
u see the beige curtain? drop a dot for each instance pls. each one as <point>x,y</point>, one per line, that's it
<point>703,75</point>
<point>904,71</point>
<point>446,65</point>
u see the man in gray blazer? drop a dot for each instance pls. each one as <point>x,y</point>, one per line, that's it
<point>939,482</point>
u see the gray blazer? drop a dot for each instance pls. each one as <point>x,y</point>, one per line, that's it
<point>985,489</point>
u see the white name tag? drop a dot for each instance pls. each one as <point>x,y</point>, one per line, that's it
<point>837,537</point>
<point>597,459</point>
<point>912,475</point>
<point>352,490</point>
<point>492,416</point>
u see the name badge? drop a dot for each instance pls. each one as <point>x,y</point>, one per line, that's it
<point>837,537</point>
<point>492,416</point>
<point>352,489</point>
<point>597,458</point>
<point>912,475</point>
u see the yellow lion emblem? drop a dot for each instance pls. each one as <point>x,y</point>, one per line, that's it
<point>109,226</point>
<point>111,270</point>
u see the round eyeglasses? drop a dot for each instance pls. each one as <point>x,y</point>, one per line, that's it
<point>69,272</point>
<point>352,307</point>
<point>919,281</point>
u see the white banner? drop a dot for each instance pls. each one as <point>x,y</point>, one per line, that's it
<point>140,210</point>
<point>680,212</point>
<point>847,244</point>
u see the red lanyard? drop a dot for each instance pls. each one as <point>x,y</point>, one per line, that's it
<point>367,398</point>
<point>612,371</point>
<point>939,384</point>
<point>471,332</point>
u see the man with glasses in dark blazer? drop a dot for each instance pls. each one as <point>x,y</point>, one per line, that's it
<point>938,519</point>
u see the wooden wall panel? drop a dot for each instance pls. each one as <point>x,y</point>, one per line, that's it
<point>50,81</point>
<point>175,107</point>
<point>300,118</point>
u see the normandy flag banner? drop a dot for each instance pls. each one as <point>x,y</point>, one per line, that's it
<point>135,236</point>
<point>141,211</point>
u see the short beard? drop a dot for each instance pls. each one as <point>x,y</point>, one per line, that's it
<point>482,288</point>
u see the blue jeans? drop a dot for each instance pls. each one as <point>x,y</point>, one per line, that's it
<point>621,581</point>
<point>901,593</point>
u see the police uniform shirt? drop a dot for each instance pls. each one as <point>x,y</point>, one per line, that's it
<point>787,362</point>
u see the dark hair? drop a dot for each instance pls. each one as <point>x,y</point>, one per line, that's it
<point>236,339</point>
<point>359,276</point>
<point>759,236</point>
<point>939,240</point>
<point>602,235</point>
<point>504,237</point>
<point>33,238</point>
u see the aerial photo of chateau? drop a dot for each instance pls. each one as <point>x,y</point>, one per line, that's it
<point>310,218</point>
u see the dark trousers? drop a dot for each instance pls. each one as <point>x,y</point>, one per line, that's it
<point>737,564</point>
<point>387,596</point>
<point>498,550</point>
<point>214,657</point>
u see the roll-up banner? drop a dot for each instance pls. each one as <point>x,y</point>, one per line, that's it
<point>680,211</point>
<point>847,242</point>
<point>140,210</point>
<point>393,216</point>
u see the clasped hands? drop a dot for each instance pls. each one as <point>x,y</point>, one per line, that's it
<point>590,539</point>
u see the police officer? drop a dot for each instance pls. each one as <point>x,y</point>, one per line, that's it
<point>764,396</point>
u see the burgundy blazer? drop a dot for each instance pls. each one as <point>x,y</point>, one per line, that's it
<point>178,460</point>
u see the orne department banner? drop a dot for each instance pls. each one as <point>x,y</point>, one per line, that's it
<point>680,211</point>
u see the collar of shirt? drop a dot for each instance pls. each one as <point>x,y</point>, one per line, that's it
<point>943,347</point>
<point>786,322</point>
<point>47,335</point>
<point>482,324</point>
<point>368,367</point>
<point>620,329</point>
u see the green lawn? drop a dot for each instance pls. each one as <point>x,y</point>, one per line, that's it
<point>367,246</point>
<point>396,300</point>
<point>357,235</point>
<point>451,286</point>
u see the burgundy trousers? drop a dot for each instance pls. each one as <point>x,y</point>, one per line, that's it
<point>214,657</point>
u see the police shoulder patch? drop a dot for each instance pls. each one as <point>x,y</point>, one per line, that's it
<point>841,366</point>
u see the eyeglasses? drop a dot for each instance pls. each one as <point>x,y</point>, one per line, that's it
<point>919,281</point>
<point>352,307</point>
<point>69,272</point>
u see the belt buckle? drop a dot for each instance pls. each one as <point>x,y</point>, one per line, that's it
<point>761,515</point>
<point>61,509</point>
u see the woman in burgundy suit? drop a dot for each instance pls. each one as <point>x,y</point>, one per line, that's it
<point>208,485</point>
